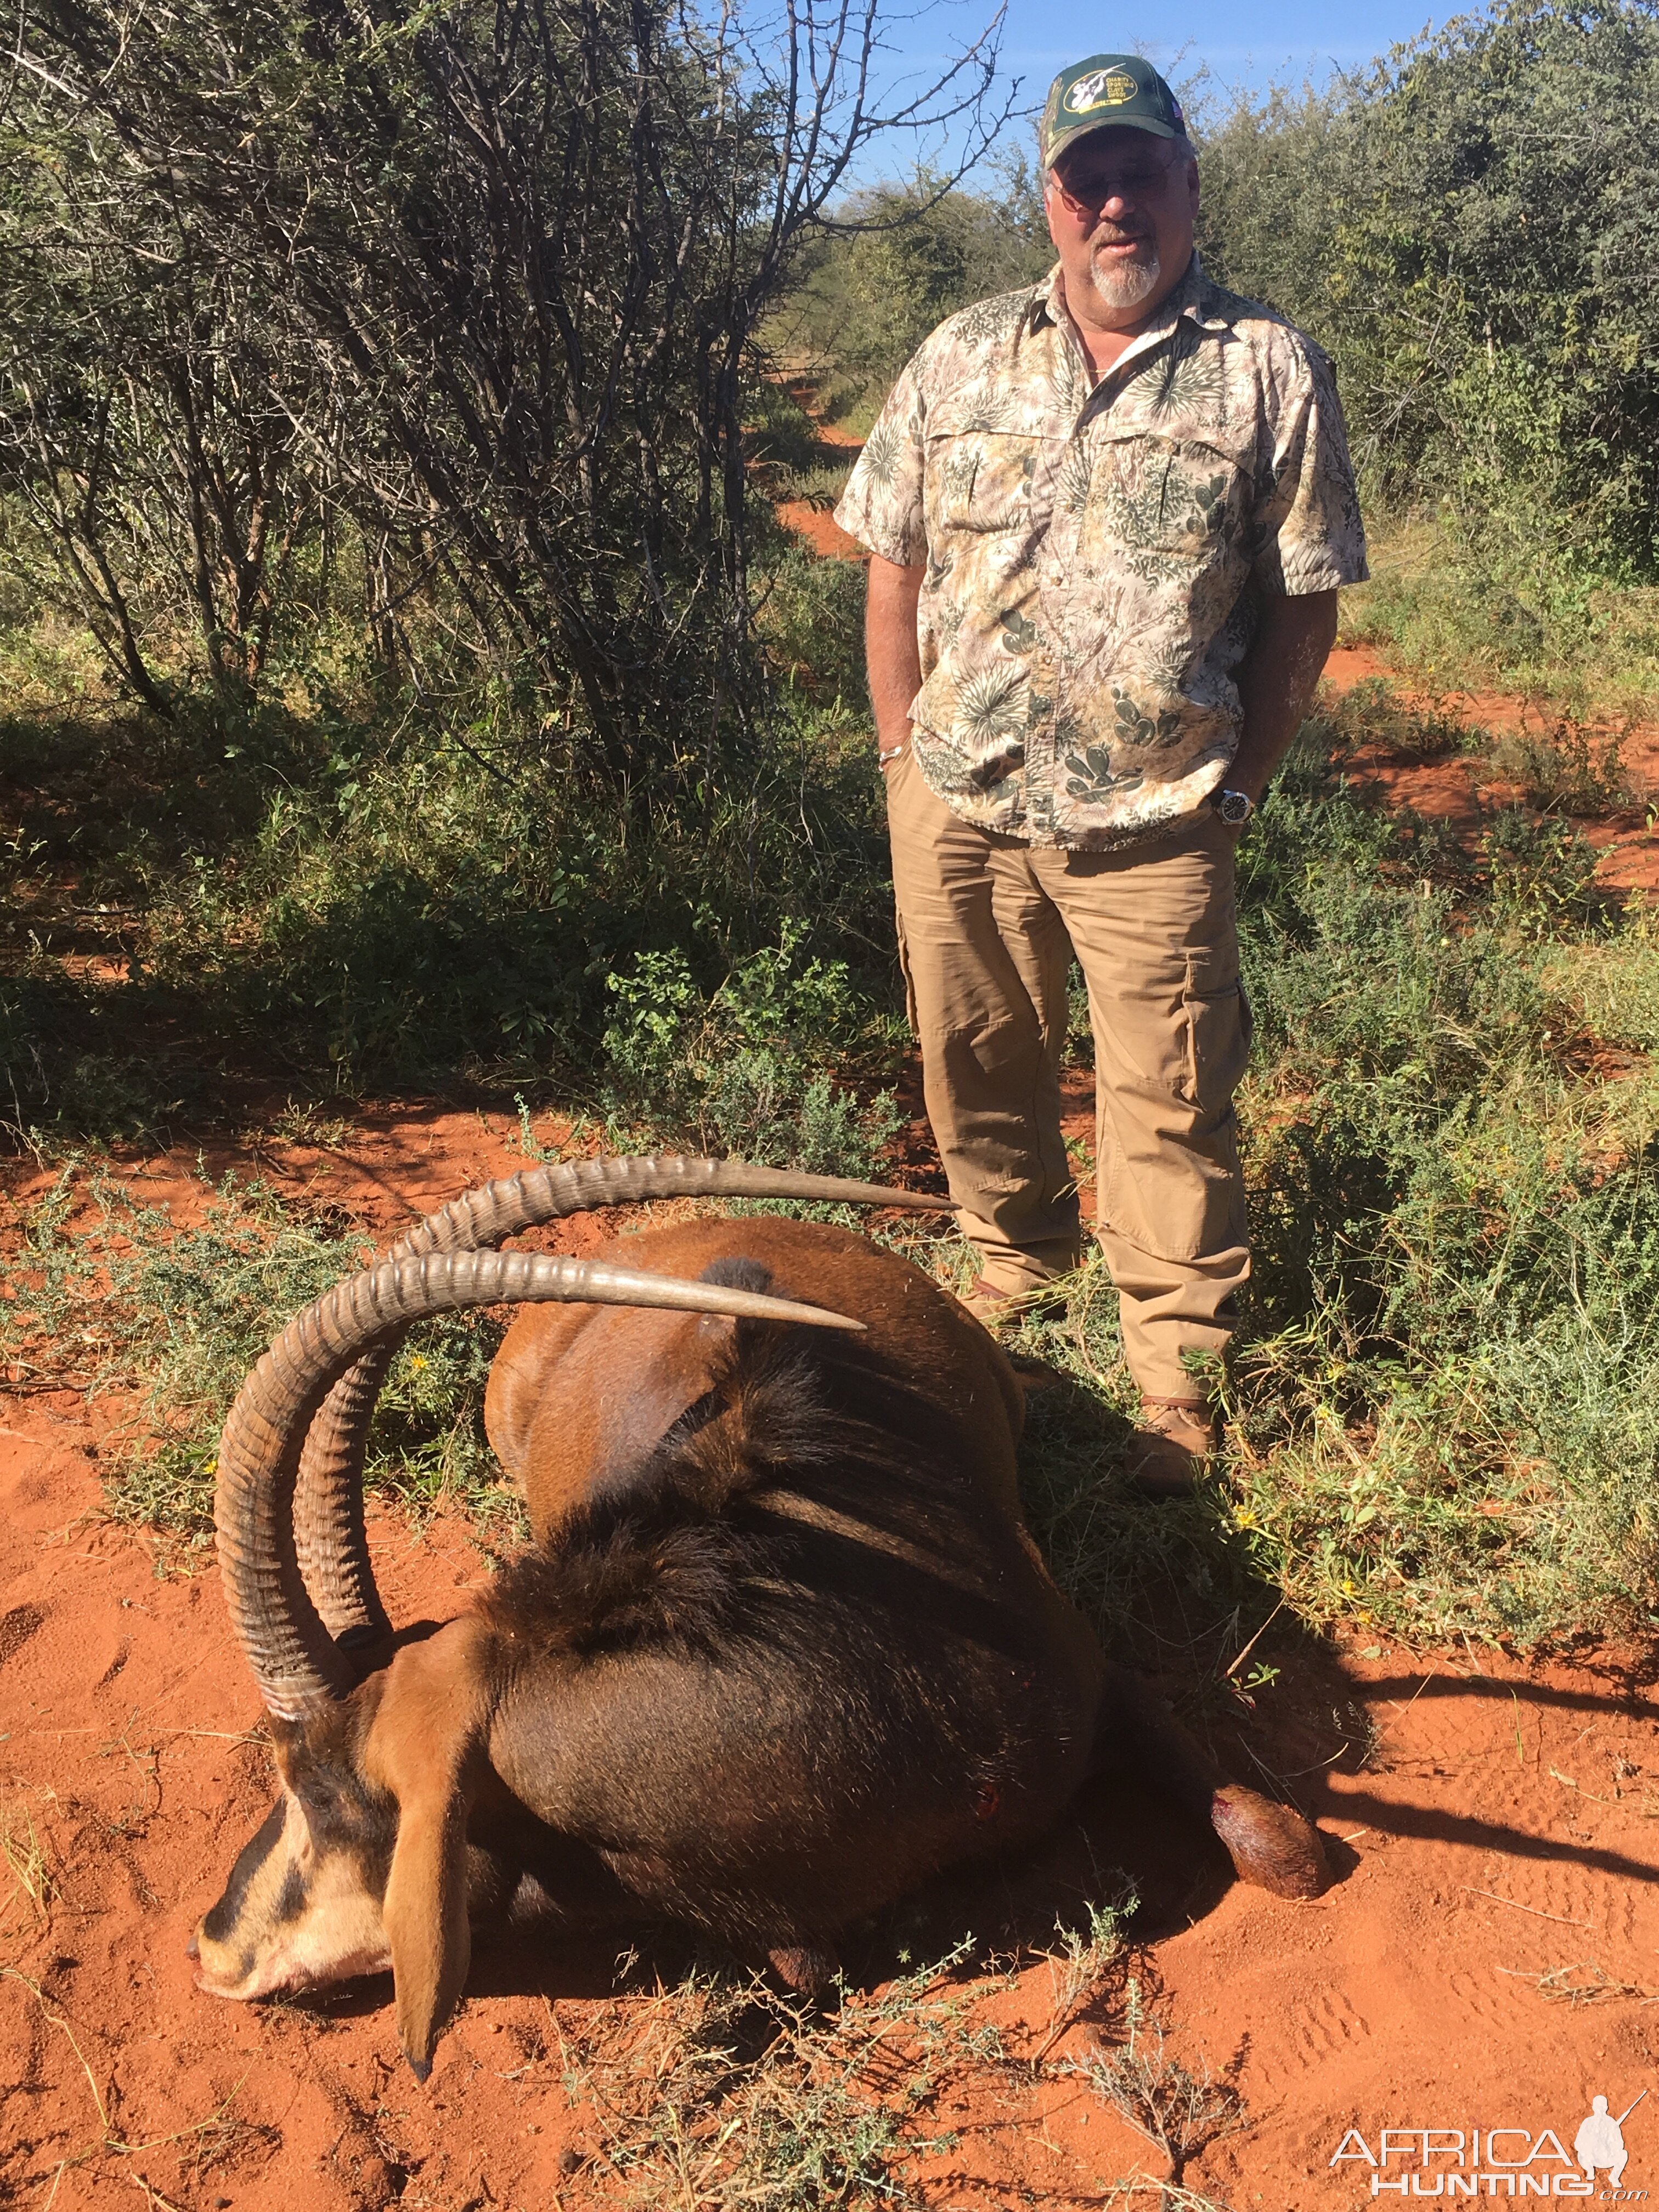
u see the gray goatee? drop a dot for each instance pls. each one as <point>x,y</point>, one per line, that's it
<point>1128,284</point>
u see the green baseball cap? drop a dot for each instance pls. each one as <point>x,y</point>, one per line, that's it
<point>1108,89</point>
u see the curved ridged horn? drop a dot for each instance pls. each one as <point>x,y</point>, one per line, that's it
<point>295,1661</point>
<point>330,1540</point>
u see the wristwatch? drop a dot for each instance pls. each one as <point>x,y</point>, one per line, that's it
<point>1235,807</point>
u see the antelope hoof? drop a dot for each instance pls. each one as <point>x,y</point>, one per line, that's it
<point>1269,1844</point>
<point>807,1967</point>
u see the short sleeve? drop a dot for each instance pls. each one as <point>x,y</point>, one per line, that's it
<point>1313,539</point>
<point>882,505</point>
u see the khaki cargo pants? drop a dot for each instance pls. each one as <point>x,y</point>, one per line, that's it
<point>986,929</point>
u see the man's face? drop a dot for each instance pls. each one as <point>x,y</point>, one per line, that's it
<point>1120,205</point>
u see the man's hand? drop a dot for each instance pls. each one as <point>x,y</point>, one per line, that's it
<point>892,654</point>
<point>1277,681</point>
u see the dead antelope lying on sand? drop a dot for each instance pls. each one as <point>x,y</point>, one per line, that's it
<point>781,1650</point>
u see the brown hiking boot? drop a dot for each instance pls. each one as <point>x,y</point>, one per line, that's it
<point>988,1305</point>
<point>1170,1447</point>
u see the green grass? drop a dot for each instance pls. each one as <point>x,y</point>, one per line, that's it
<point>347,889</point>
<point>1465,604</point>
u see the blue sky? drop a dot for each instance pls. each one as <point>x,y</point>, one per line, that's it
<point>1248,44</point>
<point>1248,41</point>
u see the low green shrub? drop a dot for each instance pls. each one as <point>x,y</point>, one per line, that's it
<point>1542,873</point>
<point>1566,769</point>
<point>811,622</point>
<point>405,904</point>
<point>743,1073</point>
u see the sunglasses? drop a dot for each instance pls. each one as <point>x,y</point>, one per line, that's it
<point>1086,196</point>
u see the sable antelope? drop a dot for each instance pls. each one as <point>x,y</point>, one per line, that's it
<point>780,1648</point>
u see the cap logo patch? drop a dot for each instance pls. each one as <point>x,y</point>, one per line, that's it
<point>1100,88</point>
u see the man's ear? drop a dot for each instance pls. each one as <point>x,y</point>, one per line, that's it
<point>428,1747</point>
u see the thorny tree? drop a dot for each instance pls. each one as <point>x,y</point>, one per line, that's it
<point>146,432</point>
<point>511,257</point>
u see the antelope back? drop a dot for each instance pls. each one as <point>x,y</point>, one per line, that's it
<point>581,1395</point>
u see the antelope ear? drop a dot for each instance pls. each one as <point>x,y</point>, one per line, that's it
<point>428,1747</point>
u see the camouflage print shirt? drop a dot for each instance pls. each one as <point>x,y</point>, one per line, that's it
<point>1096,557</point>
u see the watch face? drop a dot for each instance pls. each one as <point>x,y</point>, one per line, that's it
<point>1235,807</point>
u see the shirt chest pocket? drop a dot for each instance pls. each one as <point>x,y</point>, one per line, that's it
<point>1176,497</point>
<point>983,481</point>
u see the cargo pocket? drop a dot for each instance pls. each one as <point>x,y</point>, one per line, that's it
<point>980,481</point>
<point>1215,1042</point>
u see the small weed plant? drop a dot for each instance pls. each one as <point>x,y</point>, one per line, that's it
<point>1566,769</point>
<point>1541,871</point>
<point>723,2092</point>
<point>1180,2112</point>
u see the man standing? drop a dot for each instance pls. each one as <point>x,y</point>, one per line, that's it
<point>1108,516</point>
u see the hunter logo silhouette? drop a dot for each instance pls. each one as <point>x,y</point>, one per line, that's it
<point>1600,2140</point>
<point>1103,88</point>
<point>1509,2162</point>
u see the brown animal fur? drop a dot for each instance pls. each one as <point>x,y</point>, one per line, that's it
<point>579,1393</point>
<point>781,1649</point>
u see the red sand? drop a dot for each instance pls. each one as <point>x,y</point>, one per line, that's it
<point>819,527</point>
<point>1453,791</point>
<point>1502,1829</point>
